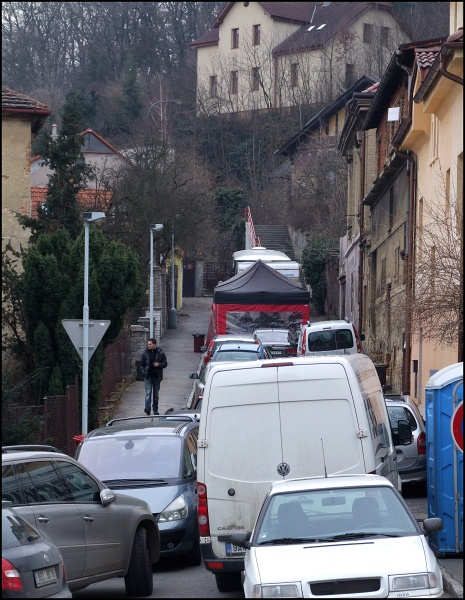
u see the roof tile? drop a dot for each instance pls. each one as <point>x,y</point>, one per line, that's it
<point>12,99</point>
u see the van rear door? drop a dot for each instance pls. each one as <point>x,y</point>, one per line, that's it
<point>243,448</point>
<point>316,403</point>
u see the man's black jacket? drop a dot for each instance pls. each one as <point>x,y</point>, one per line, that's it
<point>147,360</point>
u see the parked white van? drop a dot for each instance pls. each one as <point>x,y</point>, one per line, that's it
<point>277,419</point>
<point>328,337</point>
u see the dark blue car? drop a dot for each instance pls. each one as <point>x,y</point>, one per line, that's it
<point>153,458</point>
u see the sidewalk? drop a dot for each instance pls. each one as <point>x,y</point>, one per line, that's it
<point>451,568</point>
<point>178,345</point>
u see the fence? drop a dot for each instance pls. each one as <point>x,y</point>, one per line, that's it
<point>117,365</point>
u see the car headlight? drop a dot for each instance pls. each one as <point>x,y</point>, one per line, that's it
<point>278,590</point>
<point>415,581</point>
<point>175,511</point>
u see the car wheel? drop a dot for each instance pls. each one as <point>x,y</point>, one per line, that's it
<point>194,557</point>
<point>139,578</point>
<point>228,582</point>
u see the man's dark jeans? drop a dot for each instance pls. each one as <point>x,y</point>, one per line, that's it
<point>152,387</point>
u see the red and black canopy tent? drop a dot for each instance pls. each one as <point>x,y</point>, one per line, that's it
<point>257,298</point>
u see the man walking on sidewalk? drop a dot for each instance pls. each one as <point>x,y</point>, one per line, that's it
<point>153,361</point>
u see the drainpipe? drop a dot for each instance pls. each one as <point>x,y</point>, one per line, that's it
<point>442,66</point>
<point>362,237</point>
<point>409,288</point>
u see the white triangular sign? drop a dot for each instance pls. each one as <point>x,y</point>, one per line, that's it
<point>74,329</point>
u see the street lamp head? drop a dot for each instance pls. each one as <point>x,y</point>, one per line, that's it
<point>156,227</point>
<point>93,216</point>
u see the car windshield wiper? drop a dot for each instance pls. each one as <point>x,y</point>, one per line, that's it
<point>133,482</point>
<point>358,534</point>
<point>288,540</point>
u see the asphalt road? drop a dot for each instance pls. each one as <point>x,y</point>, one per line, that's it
<point>171,579</point>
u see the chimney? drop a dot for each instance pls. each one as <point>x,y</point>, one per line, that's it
<point>54,132</point>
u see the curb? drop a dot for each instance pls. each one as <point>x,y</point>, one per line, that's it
<point>451,585</point>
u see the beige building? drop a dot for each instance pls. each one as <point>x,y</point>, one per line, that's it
<point>435,138</point>
<point>22,117</point>
<point>260,55</point>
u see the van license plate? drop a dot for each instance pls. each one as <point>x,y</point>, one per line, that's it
<point>45,576</point>
<point>232,550</point>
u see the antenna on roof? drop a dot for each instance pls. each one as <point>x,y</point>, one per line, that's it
<point>324,459</point>
<point>323,5</point>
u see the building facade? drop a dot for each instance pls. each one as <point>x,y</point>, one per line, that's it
<point>261,55</point>
<point>22,118</point>
<point>434,138</point>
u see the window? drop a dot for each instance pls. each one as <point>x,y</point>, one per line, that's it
<point>385,36</point>
<point>397,265</point>
<point>434,137</point>
<point>294,74</point>
<point>391,208</point>
<point>188,467</point>
<point>350,72</point>
<point>10,485</point>
<point>400,413</point>
<point>80,487</point>
<point>213,86</point>
<point>324,341</point>
<point>256,35</point>
<point>235,38</point>
<point>447,206</point>
<point>367,33</point>
<point>41,482</point>
<point>234,81</point>
<point>382,282</point>
<point>255,78</point>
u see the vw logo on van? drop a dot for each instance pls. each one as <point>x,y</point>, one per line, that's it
<point>283,469</point>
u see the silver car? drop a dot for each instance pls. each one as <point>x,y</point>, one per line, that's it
<point>411,458</point>
<point>100,534</point>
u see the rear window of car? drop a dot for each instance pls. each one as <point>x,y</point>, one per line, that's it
<point>333,339</point>
<point>398,413</point>
<point>235,355</point>
<point>273,337</point>
<point>16,531</point>
<point>132,457</point>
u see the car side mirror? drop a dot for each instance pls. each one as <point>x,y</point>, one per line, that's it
<point>240,539</point>
<point>106,496</point>
<point>404,433</point>
<point>432,524</point>
<point>193,376</point>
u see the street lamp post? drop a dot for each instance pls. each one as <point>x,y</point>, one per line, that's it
<point>172,315</point>
<point>163,120</point>
<point>153,229</point>
<point>89,217</point>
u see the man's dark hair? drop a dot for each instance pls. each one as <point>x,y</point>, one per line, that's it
<point>153,340</point>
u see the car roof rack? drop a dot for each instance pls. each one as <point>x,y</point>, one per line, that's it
<point>186,418</point>
<point>29,448</point>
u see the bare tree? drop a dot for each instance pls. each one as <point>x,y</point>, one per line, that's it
<point>438,298</point>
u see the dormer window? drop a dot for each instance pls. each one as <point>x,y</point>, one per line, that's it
<point>256,35</point>
<point>235,38</point>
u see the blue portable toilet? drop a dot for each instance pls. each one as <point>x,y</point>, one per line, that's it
<point>444,460</point>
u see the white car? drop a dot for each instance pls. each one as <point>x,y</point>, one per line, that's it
<point>348,536</point>
<point>328,337</point>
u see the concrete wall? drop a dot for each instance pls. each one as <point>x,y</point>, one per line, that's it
<point>16,189</point>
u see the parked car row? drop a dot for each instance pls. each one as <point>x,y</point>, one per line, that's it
<point>292,418</point>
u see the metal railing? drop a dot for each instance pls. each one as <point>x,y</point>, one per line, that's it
<point>248,219</point>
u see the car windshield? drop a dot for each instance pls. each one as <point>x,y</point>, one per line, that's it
<point>334,514</point>
<point>334,339</point>
<point>235,355</point>
<point>132,457</point>
<point>15,531</point>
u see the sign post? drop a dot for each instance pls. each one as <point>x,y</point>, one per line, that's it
<point>76,332</point>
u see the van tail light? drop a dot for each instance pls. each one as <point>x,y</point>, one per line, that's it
<point>202,510</point>
<point>304,342</point>
<point>11,579</point>
<point>291,351</point>
<point>359,345</point>
<point>421,443</point>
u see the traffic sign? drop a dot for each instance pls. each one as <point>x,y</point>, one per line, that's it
<point>456,427</point>
<point>74,329</point>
